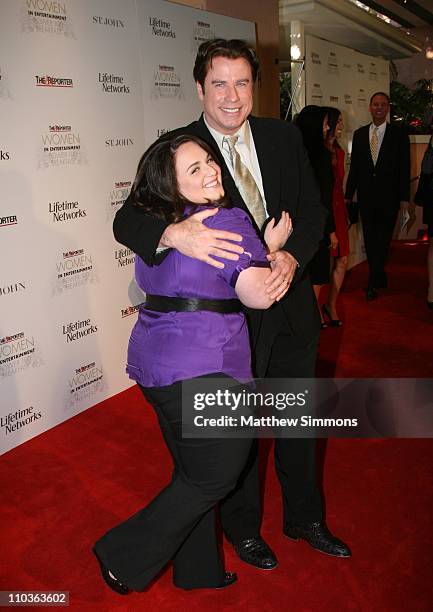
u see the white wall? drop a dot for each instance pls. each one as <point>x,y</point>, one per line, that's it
<point>85,87</point>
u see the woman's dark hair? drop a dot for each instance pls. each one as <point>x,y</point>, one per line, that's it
<point>155,190</point>
<point>310,122</point>
<point>220,47</point>
<point>333,116</point>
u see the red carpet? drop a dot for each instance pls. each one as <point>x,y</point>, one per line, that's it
<point>64,488</point>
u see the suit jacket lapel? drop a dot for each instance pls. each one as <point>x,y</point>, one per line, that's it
<point>267,153</point>
<point>385,143</point>
<point>366,144</point>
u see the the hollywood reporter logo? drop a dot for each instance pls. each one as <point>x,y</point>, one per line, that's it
<point>201,32</point>
<point>52,81</point>
<point>166,83</point>
<point>74,269</point>
<point>117,198</point>
<point>61,145</point>
<point>86,382</point>
<point>46,16</point>
<point>18,352</point>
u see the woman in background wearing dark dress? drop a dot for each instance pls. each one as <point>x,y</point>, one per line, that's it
<point>313,123</point>
<point>424,198</point>
<point>191,325</point>
<point>341,252</point>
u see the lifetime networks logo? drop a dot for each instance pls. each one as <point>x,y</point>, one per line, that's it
<point>18,420</point>
<point>46,16</point>
<point>75,330</point>
<point>124,257</point>
<point>66,211</point>
<point>52,81</point>
<point>113,83</point>
<point>161,27</point>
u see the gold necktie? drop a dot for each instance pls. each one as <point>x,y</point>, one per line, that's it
<point>245,183</point>
<point>374,145</point>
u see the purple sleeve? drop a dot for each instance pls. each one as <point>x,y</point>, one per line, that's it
<point>237,220</point>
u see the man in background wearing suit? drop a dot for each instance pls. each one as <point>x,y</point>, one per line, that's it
<point>265,171</point>
<point>380,174</point>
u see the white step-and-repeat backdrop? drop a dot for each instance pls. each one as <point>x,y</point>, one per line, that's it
<point>346,79</point>
<point>85,87</point>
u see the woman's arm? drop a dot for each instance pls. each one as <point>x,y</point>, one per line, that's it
<point>251,289</point>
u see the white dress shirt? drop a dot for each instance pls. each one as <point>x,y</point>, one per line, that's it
<point>247,151</point>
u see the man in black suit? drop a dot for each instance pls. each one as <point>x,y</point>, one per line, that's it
<point>380,174</point>
<point>284,338</point>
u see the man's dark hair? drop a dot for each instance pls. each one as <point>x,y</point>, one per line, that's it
<point>220,47</point>
<point>155,190</point>
<point>380,93</point>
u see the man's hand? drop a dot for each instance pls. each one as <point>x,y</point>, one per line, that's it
<point>190,237</point>
<point>283,266</point>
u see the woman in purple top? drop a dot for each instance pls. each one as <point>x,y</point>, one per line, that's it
<point>190,325</point>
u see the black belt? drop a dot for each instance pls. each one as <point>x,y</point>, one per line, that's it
<point>163,303</point>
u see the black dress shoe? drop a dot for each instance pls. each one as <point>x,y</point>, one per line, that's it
<point>115,585</point>
<point>319,537</point>
<point>228,579</point>
<point>327,315</point>
<point>371,294</point>
<point>256,552</point>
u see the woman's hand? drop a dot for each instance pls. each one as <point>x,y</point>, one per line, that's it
<point>276,235</point>
<point>334,240</point>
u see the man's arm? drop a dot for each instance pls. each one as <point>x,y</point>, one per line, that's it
<point>143,234</point>
<point>309,223</point>
<point>138,231</point>
<point>289,263</point>
<point>352,179</point>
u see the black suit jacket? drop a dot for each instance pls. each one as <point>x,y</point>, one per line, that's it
<point>289,185</point>
<point>380,188</point>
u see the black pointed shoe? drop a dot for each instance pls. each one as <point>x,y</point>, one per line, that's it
<point>115,585</point>
<point>319,537</point>
<point>256,552</point>
<point>229,578</point>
